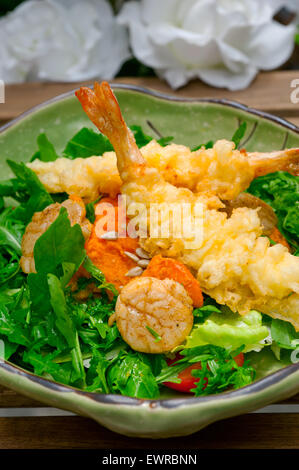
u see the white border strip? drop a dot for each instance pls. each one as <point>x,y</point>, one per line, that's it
<point>48,411</point>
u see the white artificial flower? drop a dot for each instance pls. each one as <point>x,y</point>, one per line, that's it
<point>223,42</point>
<point>65,40</point>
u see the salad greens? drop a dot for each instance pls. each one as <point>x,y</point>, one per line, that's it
<point>230,331</point>
<point>281,191</point>
<point>46,151</point>
<point>284,334</point>
<point>87,143</point>
<point>33,196</point>
<point>48,331</point>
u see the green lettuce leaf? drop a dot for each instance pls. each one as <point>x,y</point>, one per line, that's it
<point>229,330</point>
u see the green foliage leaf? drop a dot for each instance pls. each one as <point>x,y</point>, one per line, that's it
<point>281,191</point>
<point>46,150</point>
<point>218,372</point>
<point>38,197</point>
<point>11,232</point>
<point>132,377</point>
<point>64,249</point>
<point>99,276</point>
<point>239,134</point>
<point>87,143</point>
<point>61,243</point>
<point>207,145</point>
<point>143,139</point>
<point>284,334</point>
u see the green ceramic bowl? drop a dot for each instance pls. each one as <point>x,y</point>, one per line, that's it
<point>190,122</point>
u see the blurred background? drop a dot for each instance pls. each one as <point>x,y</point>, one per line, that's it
<point>224,43</point>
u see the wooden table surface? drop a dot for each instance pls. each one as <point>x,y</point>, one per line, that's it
<point>25,424</point>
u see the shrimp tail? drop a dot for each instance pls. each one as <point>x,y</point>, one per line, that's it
<point>103,110</point>
<point>284,160</point>
<point>101,107</point>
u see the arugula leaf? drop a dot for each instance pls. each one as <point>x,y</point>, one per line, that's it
<point>13,312</point>
<point>62,243</point>
<point>132,377</point>
<point>8,350</point>
<point>14,188</point>
<point>65,323</point>
<point>39,292</point>
<point>38,198</point>
<point>11,232</point>
<point>237,137</point>
<point>99,276</point>
<point>281,191</point>
<point>46,150</point>
<point>284,334</point>
<point>239,134</point>
<point>202,313</point>
<point>90,210</point>
<point>208,145</point>
<point>64,246</point>
<point>143,139</point>
<point>9,268</point>
<point>87,143</point>
<point>45,364</point>
<point>96,375</point>
<point>220,371</point>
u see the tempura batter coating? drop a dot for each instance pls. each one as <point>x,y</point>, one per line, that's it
<point>221,171</point>
<point>86,177</point>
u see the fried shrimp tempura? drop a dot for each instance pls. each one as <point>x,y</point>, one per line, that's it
<point>86,177</point>
<point>234,264</point>
<point>221,171</point>
<point>41,221</point>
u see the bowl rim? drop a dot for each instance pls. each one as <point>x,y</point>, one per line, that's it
<point>162,96</point>
<point>164,403</point>
<point>170,403</point>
